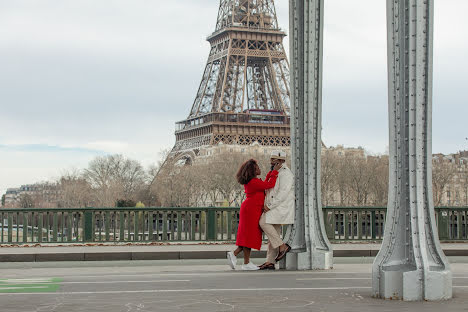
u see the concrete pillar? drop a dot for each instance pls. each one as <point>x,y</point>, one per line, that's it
<point>410,264</point>
<point>307,236</point>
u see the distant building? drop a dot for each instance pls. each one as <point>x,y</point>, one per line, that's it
<point>11,196</point>
<point>455,193</point>
<point>42,195</point>
<point>340,150</point>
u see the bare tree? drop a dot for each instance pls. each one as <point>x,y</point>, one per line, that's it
<point>75,192</point>
<point>354,180</point>
<point>442,175</point>
<point>153,170</point>
<point>156,176</point>
<point>173,184</point>
<point>224,179</point>
<point>205,182</point>
<point>208,191</point>
<point>329,170</point>
<point>343,180</point>
<point>379,181</point>
<point>360,179</point>
<point>186,180</point>
<point>115,177</point>
<point>464,183</point>
<point>26,201</point>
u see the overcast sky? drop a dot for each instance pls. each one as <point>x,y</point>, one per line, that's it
<point>85,78</point>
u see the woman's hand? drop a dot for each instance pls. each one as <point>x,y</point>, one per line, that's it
<point>278,166</point>
<point>265,208</point>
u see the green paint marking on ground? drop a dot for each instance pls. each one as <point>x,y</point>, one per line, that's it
<point>27,285</point>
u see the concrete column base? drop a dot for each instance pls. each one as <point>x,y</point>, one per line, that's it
<point>309,260</point>
<point>409,286</point>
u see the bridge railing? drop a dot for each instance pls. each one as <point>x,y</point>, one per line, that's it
<point>368,223</point>
<point>26,226</point>
<point>21,226</point>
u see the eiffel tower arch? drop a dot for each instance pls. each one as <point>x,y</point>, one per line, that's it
<point>244,97</point>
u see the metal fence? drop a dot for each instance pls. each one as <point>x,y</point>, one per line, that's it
<point>26,226</point>
<point>368,223</point>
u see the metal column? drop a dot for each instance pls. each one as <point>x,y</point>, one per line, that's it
<point>307,236</point>
<point>410,264</point>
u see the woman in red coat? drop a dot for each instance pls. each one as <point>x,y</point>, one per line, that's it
<point>249,234</point>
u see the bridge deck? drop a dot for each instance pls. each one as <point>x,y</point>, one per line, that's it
<point>201,285</point>
<point>173,251</point>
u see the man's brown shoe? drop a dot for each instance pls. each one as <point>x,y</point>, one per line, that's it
<point>283,253</point>
<point>265,266</point>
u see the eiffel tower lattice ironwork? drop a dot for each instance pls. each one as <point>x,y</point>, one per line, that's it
<point>244,92</point>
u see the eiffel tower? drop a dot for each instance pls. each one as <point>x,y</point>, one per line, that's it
<point>243,98</point>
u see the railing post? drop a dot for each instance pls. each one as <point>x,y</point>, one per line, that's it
<point>465,224</point>
<point>10,227</point>
<point>136,227</point>
<point>443,224</point>
<point>40,226</point>
<point>193,225</point>
<point>179,226</point>
<point>121,225</point>
<point>459,225</point>
<point>345,224</point>
<point>70,226</point>
<point>211,223</point>
<point>88,226</point>
<point>25,227</point>
<point>229,225</point>
<point>150,226</point>
<point>164,234</point>
<point>328,223</point>
<point>107,225</point>
<point>359,225</point>
<point>55,227</point>
<point>373,224</point>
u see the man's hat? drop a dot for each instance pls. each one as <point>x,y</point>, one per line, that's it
<point>276,154</point>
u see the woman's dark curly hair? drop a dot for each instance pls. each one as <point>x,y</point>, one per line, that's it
<point>247,171</point>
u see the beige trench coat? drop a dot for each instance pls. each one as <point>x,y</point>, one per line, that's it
<point>280,199</point>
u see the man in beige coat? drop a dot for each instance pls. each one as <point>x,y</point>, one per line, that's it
<point>278,210</point>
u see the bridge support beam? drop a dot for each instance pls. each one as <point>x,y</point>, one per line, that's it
<point>410,264</point>
<point>307,236</point>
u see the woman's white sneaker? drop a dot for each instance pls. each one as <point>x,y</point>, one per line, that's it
<point>249,267</point>
<point>232,260</point>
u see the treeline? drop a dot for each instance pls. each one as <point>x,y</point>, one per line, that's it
<point>207,182</point>
<point>116,181</point>
<point>109,181</point>
<point>354,181</point>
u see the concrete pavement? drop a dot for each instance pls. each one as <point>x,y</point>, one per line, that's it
<point>201,285</point>
<point>171,251</point>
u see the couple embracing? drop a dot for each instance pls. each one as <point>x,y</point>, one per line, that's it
<point>268,205</point>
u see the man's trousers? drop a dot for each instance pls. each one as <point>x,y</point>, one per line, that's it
<point>272,231</point>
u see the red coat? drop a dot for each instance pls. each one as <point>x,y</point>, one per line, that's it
<point>249,233</point>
